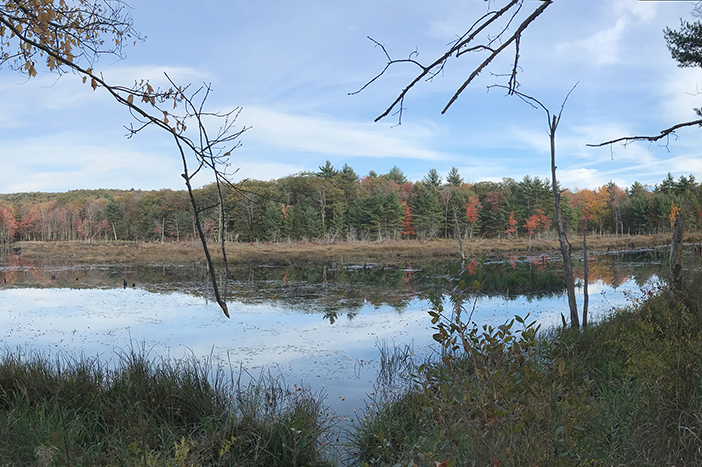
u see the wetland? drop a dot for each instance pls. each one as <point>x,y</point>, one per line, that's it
<point>321,324</point>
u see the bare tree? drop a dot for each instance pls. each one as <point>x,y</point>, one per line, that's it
<point>70,36</point>
<point>566,248</point>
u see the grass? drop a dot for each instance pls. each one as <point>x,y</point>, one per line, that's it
<point>318,252</point>
<point>145,412</point>
<point>626,391</point>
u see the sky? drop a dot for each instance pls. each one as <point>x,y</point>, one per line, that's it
<point>290,67</point>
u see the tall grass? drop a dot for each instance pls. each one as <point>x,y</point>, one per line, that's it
<point>151,412</point>
<point>626,391</point>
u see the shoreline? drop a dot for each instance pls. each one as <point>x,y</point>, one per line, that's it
<point>386,252</point>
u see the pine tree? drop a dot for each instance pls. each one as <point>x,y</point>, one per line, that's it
<point>453,178</point>
<point>433,179</point>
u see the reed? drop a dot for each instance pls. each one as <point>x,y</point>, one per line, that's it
<point>151,412</point>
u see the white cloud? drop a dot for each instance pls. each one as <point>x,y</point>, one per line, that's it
<point>641,11</point>
<point>333,137</point>
<point>67,161</point>
<point>601,48</point>
<point>681,93</point>
<point>581,178</point>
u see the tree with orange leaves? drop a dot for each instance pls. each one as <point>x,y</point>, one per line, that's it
<point>8,224</point>
<point>511,225</point>
<point>536,220</point>
<point>674,212</point>
<point>407,228</point>
<point>539,219</point>
<point>473,207</point>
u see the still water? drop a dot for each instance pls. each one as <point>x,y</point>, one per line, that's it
<point>317,326</point>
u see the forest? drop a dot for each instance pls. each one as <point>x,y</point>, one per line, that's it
<point>337,204</point>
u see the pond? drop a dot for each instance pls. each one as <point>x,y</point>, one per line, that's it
<point>318,326</point>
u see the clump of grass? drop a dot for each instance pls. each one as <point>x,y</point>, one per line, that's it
<point>151,412</point>
<point>625,391</point>
<point>645,368</point>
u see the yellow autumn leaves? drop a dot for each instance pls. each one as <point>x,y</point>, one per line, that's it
<point>59,32</point>
<point>674,212</point>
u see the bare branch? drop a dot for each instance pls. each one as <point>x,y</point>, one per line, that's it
<point>663,134</point>
<point>390,62</point>
<point>517,34</point>
<point>466,43</point>
<point>560,112</point>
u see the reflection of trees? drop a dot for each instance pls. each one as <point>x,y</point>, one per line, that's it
<point>333,315</point>
<point>524,279</point>
<point>614,270</point>
<point>334,289</point>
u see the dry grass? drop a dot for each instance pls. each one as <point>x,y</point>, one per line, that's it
<point>319,252</point>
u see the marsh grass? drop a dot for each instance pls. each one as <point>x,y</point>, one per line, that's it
<point>287,253</point>
<point>625,391</point>
<point>151,412</point>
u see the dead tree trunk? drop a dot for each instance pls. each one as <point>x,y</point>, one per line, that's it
<point>460,241</point>
<point>196,213</point>
<point>676,250</point>
<point>586,297</point>
<point>560,227</point>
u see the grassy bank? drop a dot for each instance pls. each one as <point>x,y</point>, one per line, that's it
<point>319,252</point>
<point>626,391</point>
<point>145,412</point>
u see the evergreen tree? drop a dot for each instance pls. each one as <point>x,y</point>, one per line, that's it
<point>347,182</point>
<point>396,176</point>
<point>115,218</point>
<point>425,203</point>
<point>338,222</point>
<point>273,220</point>
<point>432,179</point>
<point>327,172</point>
<point>360,216</point>
<point>453,178</point>
<point>685,44</point>
<point>312,222</point>
<point>531,194</point>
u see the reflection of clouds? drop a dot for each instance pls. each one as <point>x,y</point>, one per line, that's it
<point>301,346</point>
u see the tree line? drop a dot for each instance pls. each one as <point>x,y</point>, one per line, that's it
<point>337,204</point>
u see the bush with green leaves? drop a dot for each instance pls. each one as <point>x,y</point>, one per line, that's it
<point>496,396</point>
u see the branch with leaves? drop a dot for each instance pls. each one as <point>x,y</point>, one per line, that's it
<point>71,36</point>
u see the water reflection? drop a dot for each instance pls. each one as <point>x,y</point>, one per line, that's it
<point>334,289</point>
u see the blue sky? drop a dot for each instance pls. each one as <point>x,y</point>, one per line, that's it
<point>291,65</point>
